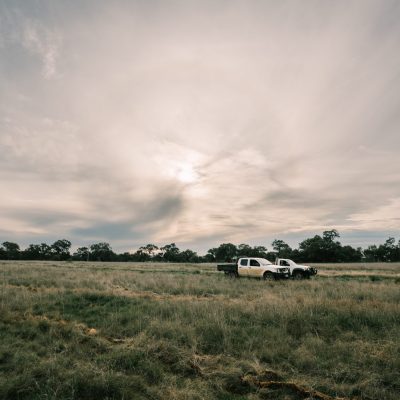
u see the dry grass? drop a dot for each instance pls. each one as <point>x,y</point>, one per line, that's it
<point>173,331</point>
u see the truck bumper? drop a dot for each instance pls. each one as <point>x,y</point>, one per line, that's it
<point>281,275</point>
<point>313,271</point>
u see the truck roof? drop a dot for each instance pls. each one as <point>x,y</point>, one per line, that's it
<point>257,258</point>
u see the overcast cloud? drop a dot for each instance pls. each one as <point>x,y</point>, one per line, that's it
<point>199,122</point>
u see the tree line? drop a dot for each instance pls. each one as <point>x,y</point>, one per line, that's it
<point>325,248</point>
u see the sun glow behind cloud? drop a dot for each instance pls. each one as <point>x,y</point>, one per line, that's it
<point>137,122</point>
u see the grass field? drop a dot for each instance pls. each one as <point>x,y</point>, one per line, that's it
<point>172,331</point>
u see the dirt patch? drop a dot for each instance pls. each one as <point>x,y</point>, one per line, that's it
<point>271,380</point>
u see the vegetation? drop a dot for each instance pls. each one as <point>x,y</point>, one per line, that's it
<point>325,248</point>
<point>81,330</point>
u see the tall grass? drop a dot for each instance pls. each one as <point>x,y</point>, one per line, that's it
<point>154,331</point>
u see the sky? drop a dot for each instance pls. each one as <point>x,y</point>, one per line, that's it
<point>199,122</point>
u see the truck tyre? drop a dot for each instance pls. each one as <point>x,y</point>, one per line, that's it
<point>298,275</point>
<point>268,276</point>
<point>232,275</point>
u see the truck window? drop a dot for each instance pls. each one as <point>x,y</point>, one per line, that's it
<point>243,262</point>
<point>284,263</point>
<point>254,263</point>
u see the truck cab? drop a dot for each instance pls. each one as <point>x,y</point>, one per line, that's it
<point>254,267</point>
<point>296,271</point>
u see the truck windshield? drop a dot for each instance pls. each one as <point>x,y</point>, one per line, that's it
<point>284,263</point>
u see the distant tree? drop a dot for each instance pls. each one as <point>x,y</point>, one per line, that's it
<point>297,256</point>
<point>150,249</point>
<point>321,249</point>
<point>40,251</point>
<point>331,248</point>
<point>211,255</point>
<point>325,248</point>
<point>125,257</point>
<point>45,251</point>
<point>226,252</point>
<point>170,252</point>
<point>260,251</point>
<point>101,252</point>
<point>60,249</point>
<point>311,249</point>
<point>331,235</point>
<point>244,250</point>
<point>371,253</point>
<point>140,256</point>
<point>389,250</point>
<point>350,254</point>
<point>81,254</point>
<point>188,256</point>
<point>207,258</point>
<point>11,250</point>
<point>283,250</point>
<point>248,251</point>
<point>398,251</point>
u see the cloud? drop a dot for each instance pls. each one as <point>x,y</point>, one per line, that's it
<point>38,145</point>
<point>19,28</point>
<point>198,122</point>
<point>44,43</point>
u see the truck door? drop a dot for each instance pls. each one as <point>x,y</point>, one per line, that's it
<point>254,268</point>
<point>243,268</point>
<point>285,263</point>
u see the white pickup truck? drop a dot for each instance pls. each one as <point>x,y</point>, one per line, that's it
<point>254,267</point>
<point>296,271</point>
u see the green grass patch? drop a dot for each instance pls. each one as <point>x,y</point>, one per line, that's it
<point>83,331</point>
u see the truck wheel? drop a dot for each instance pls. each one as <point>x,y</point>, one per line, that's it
<point>232,275</point>
<point>298,275</point>
<point>268,276</point>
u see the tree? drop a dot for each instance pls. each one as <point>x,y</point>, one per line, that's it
<point>170,252</point>
<point>211,254</point>
<point>81,254</point>
<point>141,256</point>
<point>11,250</point>
<point>350,254</point>
<point>321,249</point>
<point>331,235</point>
<point>371,253</point>
<point>247,251</point>
<point>149,250</point>
<point>45,251</point>
<point>226,252</point>
<point>244,250</point>
<point>282,249</point>
<point>101,252</point>
<point>389,250</point>
<point>125,257</point>
<point>188,256</point>
<point>311,249</point>
<point>40,251</point>
<point>60,249</point>
<point>260,251</point>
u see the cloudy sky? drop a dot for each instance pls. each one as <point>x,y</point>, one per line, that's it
<point>199,122</point>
